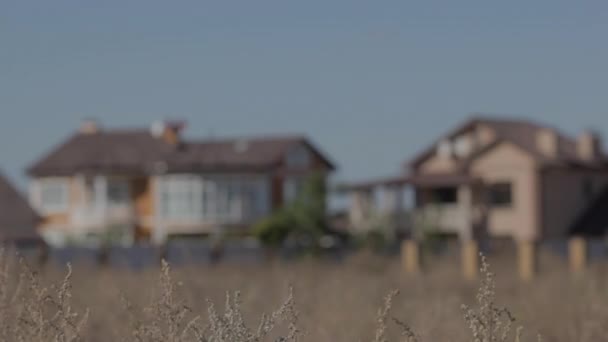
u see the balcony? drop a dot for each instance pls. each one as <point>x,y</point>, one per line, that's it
<point>445,218</point>
<point>92,218</point>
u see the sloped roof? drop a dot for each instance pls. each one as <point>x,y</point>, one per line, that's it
<point>17,219</point>
<point>520,132</point>
<point>138,151</point>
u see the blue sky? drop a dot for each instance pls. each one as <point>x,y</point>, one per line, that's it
<point>372,82</point>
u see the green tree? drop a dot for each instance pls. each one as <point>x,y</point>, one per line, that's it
<point>304,218</point>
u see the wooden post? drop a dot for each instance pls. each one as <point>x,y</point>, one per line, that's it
<point>470,258</point>
<point>410,256</point>
<point>526,259</point>
<point>577,254</point>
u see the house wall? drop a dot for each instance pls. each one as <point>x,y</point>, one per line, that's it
<point>437,164</point>
<point>161,226</point>
<point>485,135</point>
<point>564,197</point>
<point>277,191</point>
<point>57,220</point>
<point>478,137</point>
<point>142,192</point>
<point>285,171</point>
<point>508,163</point>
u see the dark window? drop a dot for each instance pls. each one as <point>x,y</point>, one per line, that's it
<point>445,195</point>
<point>501,195</point>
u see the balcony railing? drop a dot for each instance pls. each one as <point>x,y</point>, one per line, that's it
<point>93,218</point>
<point>449,218</point>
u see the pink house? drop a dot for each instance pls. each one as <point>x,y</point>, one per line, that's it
<point>497,177</point>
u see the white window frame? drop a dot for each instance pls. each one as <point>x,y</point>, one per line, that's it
<point>63,185</point>
<point>121,185</point>
<point>463,146</point>
<point>214,198</point>
<point>292,188</point>
<point>176,188</point>
<point>210,202</point>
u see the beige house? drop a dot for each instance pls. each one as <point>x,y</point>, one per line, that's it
<point>151,184</point>
<point>497,177</point>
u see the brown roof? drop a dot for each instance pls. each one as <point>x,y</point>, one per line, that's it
<point>138,151</point>
<point>520,132</point>
<point>18,220</point>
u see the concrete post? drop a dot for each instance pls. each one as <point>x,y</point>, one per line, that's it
<point>410,256</point>
<point>470,259</point>
<point>577,254</point>
<point>527,259</point>
<point>465,201</point>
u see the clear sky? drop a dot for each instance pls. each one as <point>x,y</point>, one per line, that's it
<point>372,82</point>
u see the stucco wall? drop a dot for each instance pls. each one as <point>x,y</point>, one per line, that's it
<point>478,137</point>
<point>437,164</point>
<point>59,220</point>
<point>508,163</point>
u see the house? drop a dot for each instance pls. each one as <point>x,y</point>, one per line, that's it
<point>493,176</point>
<point>152,183</point>
<point>18,221</point>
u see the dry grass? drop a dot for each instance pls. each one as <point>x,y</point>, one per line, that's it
<point>335,302</point>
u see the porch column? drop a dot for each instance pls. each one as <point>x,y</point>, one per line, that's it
<point>361,204</point>
<point>101,196</point>
<point>468,240</point>
<point>81,189</point>
<point>159,234</point>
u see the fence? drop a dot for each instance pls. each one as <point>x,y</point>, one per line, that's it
<point>577,252</point>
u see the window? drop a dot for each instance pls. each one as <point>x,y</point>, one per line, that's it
<point>298,156</point>
<point>501,195</point>
<point>118,192</point>
<point>463,146</point>
<point>213,198</point>
<point>226,197</point>
<point>53,195</point>
<point>260,196</point>
<point>444,195</point>
<point>292,188</point>
<point>180,197</point>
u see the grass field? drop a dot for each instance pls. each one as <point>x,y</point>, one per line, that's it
<point>333,301</point>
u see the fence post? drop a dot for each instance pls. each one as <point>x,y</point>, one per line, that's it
<point>470,258</point>
<point>577,254</point>
<point>527,259</point>
<point>410,256</point>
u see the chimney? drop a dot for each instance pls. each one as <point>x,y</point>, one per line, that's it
<point>241,145</point>
<point>169,131</point>
<point>589,145</point>
<point>89,126</point>
<point>547,142</point>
